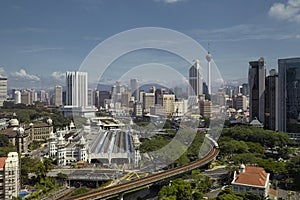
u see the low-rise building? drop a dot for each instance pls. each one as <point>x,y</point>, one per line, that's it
<point>251,179</point>
<point>39,130</point>
<point>17,136</point>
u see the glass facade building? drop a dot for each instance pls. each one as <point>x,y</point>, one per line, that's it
<point>289,95</point>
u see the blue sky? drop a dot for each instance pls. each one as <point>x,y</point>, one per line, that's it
<point>40,40</point>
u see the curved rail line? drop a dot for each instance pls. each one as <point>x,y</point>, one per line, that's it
<point>114,190</point>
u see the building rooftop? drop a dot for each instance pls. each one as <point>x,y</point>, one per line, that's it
<point>38,124</point>
<point>256,123</point>
<point>2,162</point>
<point>254,176</point>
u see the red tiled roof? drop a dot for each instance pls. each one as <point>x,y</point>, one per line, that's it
<point>255,176</point>
<point>2,162</point>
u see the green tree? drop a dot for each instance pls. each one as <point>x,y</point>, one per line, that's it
<point>255,147</point>
<point>200,182</point>
<point>5,150</point>
<point>228,194</point>
<point>28,165</point>
<point>179,189</point>
<point>293,168</point>
<point>251,196</point>
<point>4,142</point>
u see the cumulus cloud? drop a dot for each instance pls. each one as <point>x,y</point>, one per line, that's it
<point>59,76</point>
<point>23,75</point>
<point>170,1</point>
<point>289,11</point>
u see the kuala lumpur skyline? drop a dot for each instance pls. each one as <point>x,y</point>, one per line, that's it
<point>39,50</point>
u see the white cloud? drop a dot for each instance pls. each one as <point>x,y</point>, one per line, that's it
<point>289,11</point>
<point>170,1</point>
<point>2,72</point>
<point>22,75</point>
<point>59,76</point>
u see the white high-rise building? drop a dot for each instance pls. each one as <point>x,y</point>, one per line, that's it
<point>77,96</point>
<point>3,90</point>
<point>77,89</point>
<point>9,176</point>
<point>17,96</point>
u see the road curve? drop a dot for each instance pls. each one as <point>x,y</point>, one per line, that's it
<point>114,190</point>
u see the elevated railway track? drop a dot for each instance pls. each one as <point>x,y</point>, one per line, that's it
<point>110,192</point>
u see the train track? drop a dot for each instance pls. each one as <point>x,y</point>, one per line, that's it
<point>118,189</point>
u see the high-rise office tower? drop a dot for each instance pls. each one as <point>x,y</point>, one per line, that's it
<point>125,98</point>
<point>58,95</point>
<point>77,89</point>
<point>195,79</point>
<point>103,95</point>
<point>3,90</point>
<point>26,97</point>
<point>42,96</point>
<point>245,89</point>
<point>96,98</point>
<point>168,103</point>
<point>289,94</point>
<point>271,101</point>
<point>91,97</point>
<point>148,101</point>
<point>256,80</point>
<point>134,89</point>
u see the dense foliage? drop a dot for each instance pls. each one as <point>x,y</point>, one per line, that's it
<point>268,149</point>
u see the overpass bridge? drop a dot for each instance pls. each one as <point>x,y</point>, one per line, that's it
<point>120,189</point>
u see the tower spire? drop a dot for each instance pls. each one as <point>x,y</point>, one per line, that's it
<point>208,52</point>
<point>208,58</point>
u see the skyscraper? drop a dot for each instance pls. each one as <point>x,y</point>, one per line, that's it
<point>26,97</point>
<point>91,97</point>
<point>148,101</point>
<point>134,89</point>
<point>195,79</point>
<point>256,80</point>
<point>17,96</point>
<point>43,96</point>
<point>289,94</point>
<point>58,95</point>
<point>3,90</point>
<point>271,101</point>
<point>77,89</point>
<point>168,103</point>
